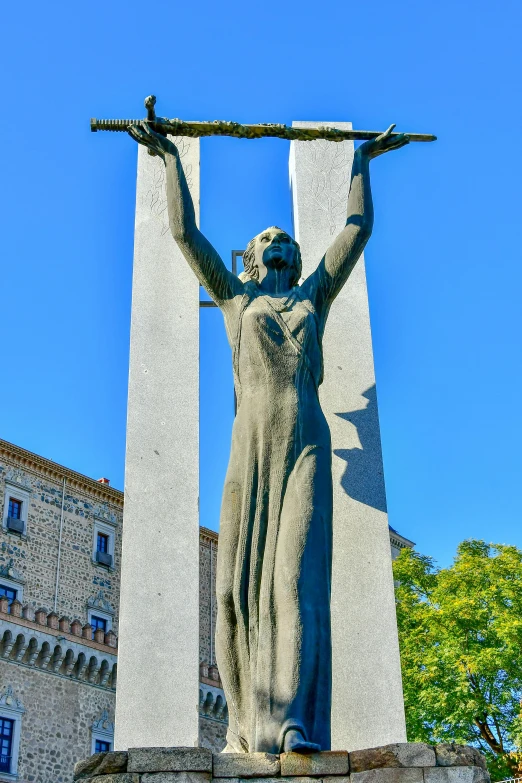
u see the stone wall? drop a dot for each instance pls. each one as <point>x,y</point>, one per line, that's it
<point>64,680</point>
<point>207,605</point>
<point>212,734</point>
<point>56,724</point>
<point>213,716</point>
<point>35,555</point>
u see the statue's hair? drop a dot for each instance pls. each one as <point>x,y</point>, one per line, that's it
<point>249,260</point>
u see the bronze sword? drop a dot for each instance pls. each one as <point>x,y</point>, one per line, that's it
<point>177,127</point>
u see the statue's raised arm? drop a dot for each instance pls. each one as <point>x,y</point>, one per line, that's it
<point>202,257</point>
<point>324,284</point>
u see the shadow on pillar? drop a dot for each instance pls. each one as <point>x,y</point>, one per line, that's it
<point>363,478</point>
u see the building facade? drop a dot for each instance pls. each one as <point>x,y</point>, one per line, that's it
<point>60,550</point>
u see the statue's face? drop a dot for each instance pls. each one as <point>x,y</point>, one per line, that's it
<point>274,249</point>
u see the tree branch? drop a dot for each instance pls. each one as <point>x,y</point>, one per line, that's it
<point>488,736</point>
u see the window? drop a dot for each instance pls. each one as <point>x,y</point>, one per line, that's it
<point>99,613</point>
<point>10,593</point>
<point>6,743</point>
<point>102,734</point>
<point>15,508</point>
<point>11,584</point>
<point>102,543</point>
<point>98,619</point>
<point>97,623</point>
<point>11,711</point>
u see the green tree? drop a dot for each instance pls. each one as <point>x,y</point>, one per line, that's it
<point>460,632</point>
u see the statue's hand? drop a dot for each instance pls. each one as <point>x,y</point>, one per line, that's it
<point>383,143</point>
<point>159,144</point>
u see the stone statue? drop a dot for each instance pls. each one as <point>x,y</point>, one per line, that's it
<point>273,640</point>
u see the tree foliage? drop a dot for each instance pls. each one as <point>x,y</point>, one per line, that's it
<point>460,632</point>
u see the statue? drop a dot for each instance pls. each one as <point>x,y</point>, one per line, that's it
<point>273,640</point>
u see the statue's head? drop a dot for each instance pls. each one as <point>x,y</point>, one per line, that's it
<point>272,248</point>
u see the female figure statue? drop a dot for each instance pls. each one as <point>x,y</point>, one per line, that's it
<point>273,641</point>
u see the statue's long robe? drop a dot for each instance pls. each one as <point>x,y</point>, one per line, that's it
<point>273,640</point>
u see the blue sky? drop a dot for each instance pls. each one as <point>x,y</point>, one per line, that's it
<point>444,272</point>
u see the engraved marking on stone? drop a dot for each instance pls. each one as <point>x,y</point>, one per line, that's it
<point>156,195</point>
<point>328,167</point>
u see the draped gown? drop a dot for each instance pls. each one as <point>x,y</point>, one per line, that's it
<point>273,639</point>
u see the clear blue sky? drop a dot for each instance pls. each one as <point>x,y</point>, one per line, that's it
<point>444,269</point>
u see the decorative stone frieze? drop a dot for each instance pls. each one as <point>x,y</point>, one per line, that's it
<point>19,615</point>
<point>212,703</point>
<point>209,674</point>
<point>33,645</point>
<point>8,571</point>
<point>99,602</point>
<point>9,700</point>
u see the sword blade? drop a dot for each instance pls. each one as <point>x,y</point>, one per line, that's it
<point>223,128</point>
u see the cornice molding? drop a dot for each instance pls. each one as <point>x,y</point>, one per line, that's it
<point>40,465</point>
<point>207,536</point>
<point>400,542</point>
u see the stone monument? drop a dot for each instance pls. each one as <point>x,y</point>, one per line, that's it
<point>275,568</point>
<point>274,575</point>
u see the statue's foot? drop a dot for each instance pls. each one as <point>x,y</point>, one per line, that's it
<point>228,749</point>
<point>296,743</point>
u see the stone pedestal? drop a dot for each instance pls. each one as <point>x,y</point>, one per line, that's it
<point>158,681</point>
<point>397,763</point>
<point>367,701</point>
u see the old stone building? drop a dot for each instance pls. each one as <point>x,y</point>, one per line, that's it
<point>60,549</point>
<point>60,546</point>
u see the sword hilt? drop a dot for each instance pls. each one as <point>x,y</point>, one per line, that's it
<point>150,103</point>
<point>123,125</point>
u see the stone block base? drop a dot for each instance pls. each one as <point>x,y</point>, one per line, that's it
<point>405,762</point>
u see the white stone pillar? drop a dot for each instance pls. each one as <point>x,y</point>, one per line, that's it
<point>367,706</point>
<point>158,674</point>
